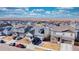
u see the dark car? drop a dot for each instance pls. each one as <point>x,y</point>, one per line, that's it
<point>20,46</point>
<point>36,41</point>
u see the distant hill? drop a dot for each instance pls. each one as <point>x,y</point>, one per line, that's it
<point>44,19</point>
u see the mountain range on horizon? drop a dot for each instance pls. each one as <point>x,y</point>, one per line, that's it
<point>44,19</point>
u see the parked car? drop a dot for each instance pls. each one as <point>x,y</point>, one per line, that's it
<point>36,41</point>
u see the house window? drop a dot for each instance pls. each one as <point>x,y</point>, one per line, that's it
<point>63,33</point>
<point>58,38</point>
<point>41,31</point>
<point>66,41</point>
<point>71,34</point>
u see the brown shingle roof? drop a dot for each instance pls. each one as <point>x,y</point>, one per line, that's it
<point>62,28</point>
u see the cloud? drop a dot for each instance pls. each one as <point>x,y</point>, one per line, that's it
<point>3,9</point>
<point>32,14</point>
<point>26,9</point>
<point>21,11</point>
<point>48,12</point>
<point>65,8</point>
<point>60,12</point>
<point>35,13</point>
<point>18,11</point>
<point>38,10</point>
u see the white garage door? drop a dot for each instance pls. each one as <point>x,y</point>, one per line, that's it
<point>66,47</point>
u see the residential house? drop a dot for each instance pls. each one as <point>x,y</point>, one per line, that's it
<point>63,35</point>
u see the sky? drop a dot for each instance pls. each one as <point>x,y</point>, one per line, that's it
<point>40,12</point>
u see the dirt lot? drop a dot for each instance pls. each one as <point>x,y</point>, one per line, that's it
<point>4,47</point>
<point>76,48</point>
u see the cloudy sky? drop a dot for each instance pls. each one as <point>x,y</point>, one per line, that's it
<point>40,12</point>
